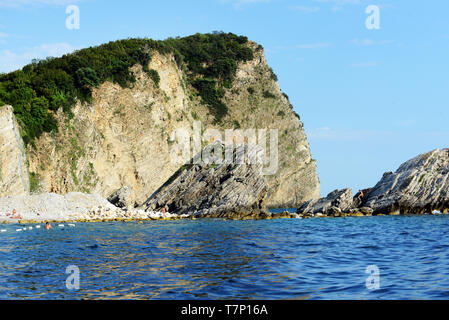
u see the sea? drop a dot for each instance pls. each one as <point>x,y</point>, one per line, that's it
<point>361,258</point>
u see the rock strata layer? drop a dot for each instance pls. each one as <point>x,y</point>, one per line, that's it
<point>226,190</point>
<point>123,198</point>
<point>14,178</point>
<point>419,186</point>
<point>123,136</point>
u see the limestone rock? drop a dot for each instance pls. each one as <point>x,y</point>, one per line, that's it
<point>14,178</point>
<point>123,198</point>
<point>336,202</point>
<point>361,197</point>
<point>219,191</point>
<point>420,185</point>
<point>122,138</point>
<point>50,206</point>
<point>366,210</point>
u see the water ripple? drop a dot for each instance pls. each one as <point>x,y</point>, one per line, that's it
<point>214,259</point>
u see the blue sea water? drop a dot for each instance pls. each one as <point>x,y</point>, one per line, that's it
<point>215,259</point>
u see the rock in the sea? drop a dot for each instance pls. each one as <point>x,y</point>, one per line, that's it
<point>336,202</point>
<point>123,198</point>
<point>361,197</point>
<point>226,190</point>
<point>366,211</point>
<point>420,185</point>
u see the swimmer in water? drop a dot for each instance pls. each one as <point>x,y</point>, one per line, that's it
<point>47,226</point>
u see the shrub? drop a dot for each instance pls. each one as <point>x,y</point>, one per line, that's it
<point>273,75</point>
<point>268,95</point>
<point>154,75</point>
<point>212,97</point>
<point>195,115</point>
<point>35,183</point>
<point>44,86</point>
<point>87,77</point>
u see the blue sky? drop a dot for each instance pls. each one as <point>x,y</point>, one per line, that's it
<point>369,99</point>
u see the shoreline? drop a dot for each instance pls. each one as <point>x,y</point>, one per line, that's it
<point>159,216</point>
<point>81,208</point>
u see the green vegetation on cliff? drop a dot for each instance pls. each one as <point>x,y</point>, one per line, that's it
<point>44,86</point>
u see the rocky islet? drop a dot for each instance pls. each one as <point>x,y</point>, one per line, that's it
<point>419,186</point>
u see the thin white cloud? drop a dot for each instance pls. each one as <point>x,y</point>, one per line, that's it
<point>338,4</point>
<point>315,45</point>
<point>305,9</point>
<point>3,36</point>
<point>11,61</point>
<point>386,6</point>
<point>329,134</point>
<point>20,3</point>
<point>240,3</point>
<point>325,133</point>
<point>370,42</point>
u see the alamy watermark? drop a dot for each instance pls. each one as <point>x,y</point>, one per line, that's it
<point>73,280</point>
<point>373,20</point>
<point>73,20</point>
<point>373,280</point>
<point>188,147</point>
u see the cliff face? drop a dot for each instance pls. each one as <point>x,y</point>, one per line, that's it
<point>14,178</point>
<point>225,190</point>
<point>123,137</point>
<point>420,185</point>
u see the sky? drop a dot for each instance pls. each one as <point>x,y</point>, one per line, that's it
<point>370,99</point>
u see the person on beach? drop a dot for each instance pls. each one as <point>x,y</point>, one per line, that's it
<point>15,215</point>
<point>47,226</point>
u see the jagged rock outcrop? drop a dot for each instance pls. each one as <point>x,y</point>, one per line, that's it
<point>123,198</point>
<point>336,202</point>
<point>14,178</point>
<point>420,185</point>
<point>227,190</point>
<point>123,137</point>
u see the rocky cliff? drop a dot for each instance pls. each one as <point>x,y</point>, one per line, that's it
<point>226,190</point>
<point>419,186</point>
<point>123,136</point>
<point>14,178</point>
